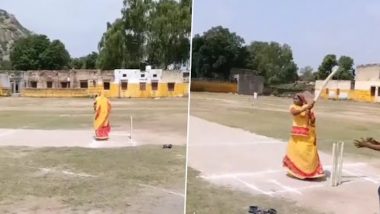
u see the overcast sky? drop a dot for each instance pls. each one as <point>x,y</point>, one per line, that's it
<point>312,28</point>
<point>79,24</point>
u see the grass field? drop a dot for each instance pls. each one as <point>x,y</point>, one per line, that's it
<point>83,180</point>
<point>77,113</point>
<point>269,116</point>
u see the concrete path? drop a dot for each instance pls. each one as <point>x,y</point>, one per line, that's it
<point>253,163</point>
<point>85,138</point>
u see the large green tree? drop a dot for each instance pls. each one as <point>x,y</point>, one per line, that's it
<point>136,20</point>
<point>169,32</point>
<point>328,62</point>
<point>272,61</point>
<point>55,57</point>
<point>112,47</point>
<point>215,53</point>
<point>154,31</point>
<point>37,52</point>
<point>345,70</point>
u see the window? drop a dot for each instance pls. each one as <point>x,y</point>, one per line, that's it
<point>124,75</point>
<point>154,86</point>
<point>186,74</point>
<point>83,84</point>
<point>373,90</point>
<point>106,85</point>
<point>337,91</point>
<point>33,84</point>
<point>65,84</point>
<point>171,86</point>
<point>154,75</point>
<point>124,86</point>
<point>142,86</point>
<point>49,84</point>
<point>142,75</point>
<point>94,83</point>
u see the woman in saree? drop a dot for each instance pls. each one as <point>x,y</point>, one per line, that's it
<point>302,159</point>
<point>102,112</point>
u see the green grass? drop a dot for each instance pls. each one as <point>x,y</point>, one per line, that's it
<point>116,185</point>
<point>336,120</point>
<point>43,113</point>
<point>221,200</point>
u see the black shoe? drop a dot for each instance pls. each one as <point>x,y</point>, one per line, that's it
<point>271,211</point>
<point>167,146</point>
<point>253,209</point>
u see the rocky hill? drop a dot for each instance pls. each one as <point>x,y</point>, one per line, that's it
<point>10,31</point>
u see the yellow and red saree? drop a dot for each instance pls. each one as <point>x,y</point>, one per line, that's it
<point>101,122</point>
<point>302,159</point>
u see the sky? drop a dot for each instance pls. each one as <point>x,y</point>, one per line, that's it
<point>312,28</point>
<point>79,24</point>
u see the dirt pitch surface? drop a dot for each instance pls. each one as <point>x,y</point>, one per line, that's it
<point>238,158</point>
<point>51,162</point>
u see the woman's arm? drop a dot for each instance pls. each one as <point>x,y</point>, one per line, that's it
<point>303,109</point>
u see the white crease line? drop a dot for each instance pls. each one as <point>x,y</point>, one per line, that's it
<point>269,171</point>
<point>163,190</point>
<point>253,187</point>
<point>9,132</point>
<point>119,134</point>
<point>367,178</point>
<point>286,188</point>
<point>302,188</point>
<point>243,174</point>
<point>47,170</point>
<point>232,144</point>
<point>77,174</point>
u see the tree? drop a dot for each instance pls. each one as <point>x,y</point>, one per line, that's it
<point>345,70</point>
<point>55,56</point>
<point>242,59</point>
<point>329,61</point>
<point>150,31</point>
<point>86,62</point>
<point>90,60</point>
<point>215,53</point>
<point>77,63</point>
<point>37,52</point>
<point>112,47</point>
<point>307,74</point>
<point>169,32</point>
<point>273,61</point>
<point>136,14</point>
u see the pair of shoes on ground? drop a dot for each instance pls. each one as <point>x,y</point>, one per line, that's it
<point>257,210</point>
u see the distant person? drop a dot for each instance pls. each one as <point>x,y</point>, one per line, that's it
<point>302,159</point>
<point>369,143</point>
<point>102,112</point>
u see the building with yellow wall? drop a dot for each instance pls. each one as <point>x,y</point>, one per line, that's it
<point>131,83</point>
<point>365,88</point>
<point>5,88</point>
